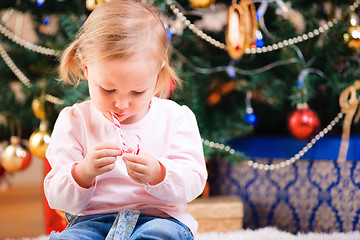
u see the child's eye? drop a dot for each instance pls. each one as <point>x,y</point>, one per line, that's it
<point>108,90</point>
<point>137,93</point>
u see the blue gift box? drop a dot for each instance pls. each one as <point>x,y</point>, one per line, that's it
<point>326,148</point>
<point>316,193</point>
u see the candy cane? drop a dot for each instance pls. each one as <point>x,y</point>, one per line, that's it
<point>124,147</point>
<point>119,131</point>
<point>137,140</point>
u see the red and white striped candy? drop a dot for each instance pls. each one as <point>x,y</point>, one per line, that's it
<point>138,141</point>
<point>124,147</point>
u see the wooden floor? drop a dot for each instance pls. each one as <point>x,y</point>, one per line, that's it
<point>21,206</point>
<point>21,212</point>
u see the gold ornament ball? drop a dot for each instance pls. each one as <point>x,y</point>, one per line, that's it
<point>355,43</point>
<point>15,157</point>
<point>352,38</point>
<point>201,3</point>
<point>38,108</point>
<point>39,142</point>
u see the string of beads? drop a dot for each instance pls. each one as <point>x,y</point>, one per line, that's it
<point>26,44</point>
<point>21,76</point>
<point>287,162</point>
<point>264,49</point>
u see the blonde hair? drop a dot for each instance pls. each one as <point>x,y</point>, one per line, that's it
<point>121,29</point>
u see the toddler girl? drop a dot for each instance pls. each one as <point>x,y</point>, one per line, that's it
<point>107,188</point>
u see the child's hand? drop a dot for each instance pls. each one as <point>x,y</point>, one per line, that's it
<point>99,160</point>
<point>143,168</point>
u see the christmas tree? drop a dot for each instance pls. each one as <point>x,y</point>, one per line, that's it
<point>245,65</point>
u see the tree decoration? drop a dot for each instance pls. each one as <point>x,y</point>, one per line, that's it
<point>213,19</point>
<point>49,25</point>
<point>303,95</point>
<point>230,70</point>
<point>235,32</point>
<point>91,4</point>
<point>259,39</point>
<point>39,140</point>
<point>269,48</point>
<point>201,3</point>
<point>241,28</point>
<point>303,123</point>
<point>176,27</point>
<point>38,107</point>
<point>15,157</point>
<point>349,103</point>
<point>297,19</point>
<point>250,23</point>
<point>283,8</point>
<point>21,24</point>
<point>220,91</point>
<point>40,3</point>
<point>250,117</point>
<point>352,38</point>
<point>260,12</point>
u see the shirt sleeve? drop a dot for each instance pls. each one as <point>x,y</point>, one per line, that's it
<point>63,153</point>
<point>186,172</point>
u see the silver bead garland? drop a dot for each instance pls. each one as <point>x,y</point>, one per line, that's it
<point>26,44</point>
<point>21,76</point>
<point>10,63</point>
<point>287,162</point>
<point>193,28</point>
<point>264,49</point>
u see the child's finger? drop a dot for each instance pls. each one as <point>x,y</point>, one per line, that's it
<point>109,152</point>
<point>106,145</point>
<point>129,150</point>
<point>128,157</point>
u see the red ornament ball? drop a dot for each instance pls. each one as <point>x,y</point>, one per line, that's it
<point>303,123</point>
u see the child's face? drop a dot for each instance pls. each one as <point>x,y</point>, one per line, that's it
<point>122,87</point>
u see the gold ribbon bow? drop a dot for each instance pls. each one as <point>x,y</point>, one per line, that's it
<point>348,107</point>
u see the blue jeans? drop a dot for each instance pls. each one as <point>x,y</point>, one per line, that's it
<point>96,227</point>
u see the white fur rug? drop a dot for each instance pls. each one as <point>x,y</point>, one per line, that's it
<point>268,233</point>
<point>271,233</point>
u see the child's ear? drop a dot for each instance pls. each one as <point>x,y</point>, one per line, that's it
<point>163,64</point>
<point>84,67</point>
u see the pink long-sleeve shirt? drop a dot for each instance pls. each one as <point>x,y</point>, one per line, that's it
<point>168,132</point>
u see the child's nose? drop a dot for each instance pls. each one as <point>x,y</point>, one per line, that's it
<point>121,104</point>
